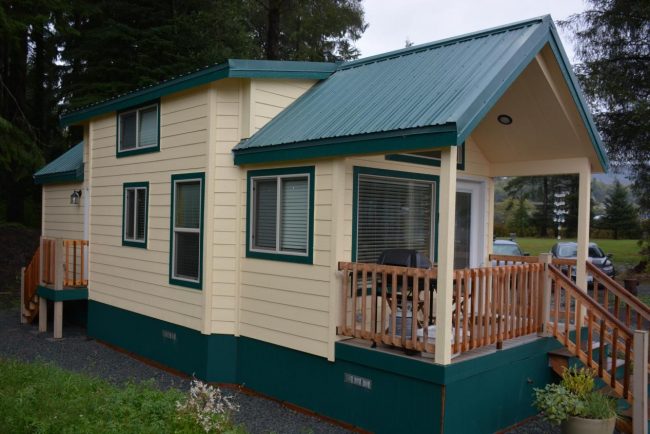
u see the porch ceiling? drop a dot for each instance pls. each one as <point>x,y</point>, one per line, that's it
<point>546,123</point>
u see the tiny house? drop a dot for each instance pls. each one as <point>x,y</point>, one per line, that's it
<point>235,224</point>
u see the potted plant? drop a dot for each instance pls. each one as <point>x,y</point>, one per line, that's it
<point>575,405</point>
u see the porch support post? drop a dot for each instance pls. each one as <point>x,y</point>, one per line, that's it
<point>446,226</point>
<point>584,199</point>
<point>489,236</point>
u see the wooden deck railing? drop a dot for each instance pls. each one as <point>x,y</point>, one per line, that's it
<point>48,251</point>
<point>74,265</point>
<point>512,260</point>
<point>571,311</point>
<point>495,304</point>
<point>396,305</point>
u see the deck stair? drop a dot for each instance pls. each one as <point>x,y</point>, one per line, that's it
<point>598,330</point>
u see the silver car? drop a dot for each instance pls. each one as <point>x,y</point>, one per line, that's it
<point>569,250</point>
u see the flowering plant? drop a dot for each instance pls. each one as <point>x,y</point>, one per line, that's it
<point>208,407</point>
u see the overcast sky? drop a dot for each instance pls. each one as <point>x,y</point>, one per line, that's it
<point>393,21</point>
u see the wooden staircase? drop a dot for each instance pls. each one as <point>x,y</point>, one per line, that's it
<point>30,280</point>
<point>601,332</point>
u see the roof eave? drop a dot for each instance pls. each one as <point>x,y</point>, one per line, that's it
<point>70,176</point>
<point>414,139</point>
<point>234,68</point>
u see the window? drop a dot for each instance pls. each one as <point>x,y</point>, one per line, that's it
<point>394,210</point>
<point>429,158</point>
<point>135,204</point>
<point>138,130</point>
<point>186,238</point>
<point>280,214</point>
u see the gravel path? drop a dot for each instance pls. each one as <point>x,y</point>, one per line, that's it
<point>78,353</point>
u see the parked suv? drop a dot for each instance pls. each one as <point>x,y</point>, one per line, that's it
<point>507,247</point>
<point>568,250</point>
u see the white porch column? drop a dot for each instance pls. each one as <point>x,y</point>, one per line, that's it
<point>446,226</point>
<point>584,198</point>
<point>489,233</point>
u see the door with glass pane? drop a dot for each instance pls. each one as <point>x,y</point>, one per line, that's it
<point>470,224</point>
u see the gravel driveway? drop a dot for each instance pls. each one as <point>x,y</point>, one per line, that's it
<point>78,353</point>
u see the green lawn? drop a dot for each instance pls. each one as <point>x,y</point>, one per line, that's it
<point>626,252</point>
<point>41,398</point>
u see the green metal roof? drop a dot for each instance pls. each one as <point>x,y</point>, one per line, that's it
<point>69,167</point>
<point>420,97</point>
<point>232,68</point>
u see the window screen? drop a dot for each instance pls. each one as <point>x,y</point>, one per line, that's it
<point>280,215</point>
<point>138,128</point>
<point>186,220</point>
<point>393,213</point>
<point>135,214</point>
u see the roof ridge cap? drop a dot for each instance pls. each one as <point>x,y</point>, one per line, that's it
<point>442,42</point>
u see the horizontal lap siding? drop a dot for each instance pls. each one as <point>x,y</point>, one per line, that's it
<point>264,99</point>
<point>287,303</point>
<point>226,203</point>
<point>60,218</point>
<point>132,278</point>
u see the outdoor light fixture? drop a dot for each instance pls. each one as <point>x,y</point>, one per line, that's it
<point>74,197</point>
<point>504,119</point>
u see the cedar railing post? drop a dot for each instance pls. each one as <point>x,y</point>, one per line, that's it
<point>58,285</point>
<point>640,383</point>
<point>42,302</point>
<point>545,295</point>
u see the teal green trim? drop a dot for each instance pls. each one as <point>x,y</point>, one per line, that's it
<point>137,151</point>
<point>390,174</point>
<point>68,167</point>
<point>494,90</point>
<point>427,161</point>
<point>60,178</point>
<point>307,170</point>
<point>208,357</point>
<point>233,68</point>
<point>385,142</point>
<point>62,294</point>
<point>132,243</point>
<point>174,280</point>
<point>578,98</point>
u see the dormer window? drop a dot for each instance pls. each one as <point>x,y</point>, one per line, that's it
<point>138,130</point>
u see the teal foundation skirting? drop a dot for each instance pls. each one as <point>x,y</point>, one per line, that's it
<point>371,389</point>
<point>62,294</point>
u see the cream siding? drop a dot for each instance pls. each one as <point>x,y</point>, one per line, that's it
<point>132,278</point>
<point>60,218</point>
<point>242,107</point>
<point>287,303</point>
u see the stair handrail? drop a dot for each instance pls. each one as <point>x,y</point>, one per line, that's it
<point>620,331</point>
<point>620,291</point>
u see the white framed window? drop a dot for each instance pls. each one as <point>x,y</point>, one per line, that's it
<point>135,204</point>
<point>394,210</point>
<point>138,130</point>
<point>280,214</point>
<point>186,249</point>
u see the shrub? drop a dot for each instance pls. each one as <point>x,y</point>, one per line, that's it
<point>557,403</point>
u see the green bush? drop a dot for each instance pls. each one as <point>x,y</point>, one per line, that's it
<point>557,403</point>
<point>41,398</point>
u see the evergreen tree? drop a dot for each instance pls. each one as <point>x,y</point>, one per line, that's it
<point>613,46</point>
<point>621,217</point>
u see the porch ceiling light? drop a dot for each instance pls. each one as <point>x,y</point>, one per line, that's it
<point>74,197</point>
<point>504,119</point>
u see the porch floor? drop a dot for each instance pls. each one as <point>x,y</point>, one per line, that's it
<point>428,358</point>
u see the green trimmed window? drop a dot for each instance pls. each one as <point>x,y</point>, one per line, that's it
<point>138,130</point>
<point>186,249</point>
<point>135,205</point>
<point>281,214</point>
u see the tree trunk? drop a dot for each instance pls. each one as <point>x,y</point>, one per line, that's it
<point>273,30</point>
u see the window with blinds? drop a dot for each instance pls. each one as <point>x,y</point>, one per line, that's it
<point>280,214</point>
<point>138,129</point>
<point>393,213</point>
<point>187,209</point>
<point>134,222</point>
